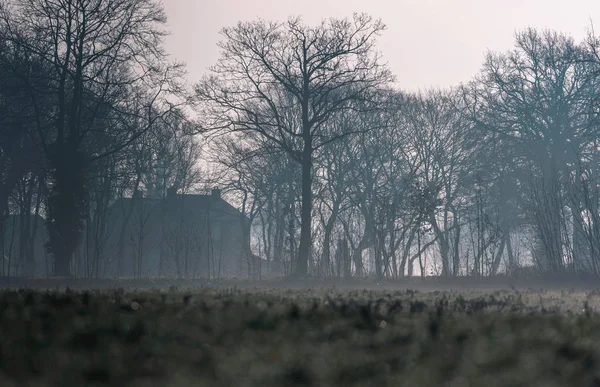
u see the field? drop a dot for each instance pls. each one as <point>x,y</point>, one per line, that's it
<point>284,334</point>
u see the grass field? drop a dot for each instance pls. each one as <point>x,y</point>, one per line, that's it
<point>278,336</point>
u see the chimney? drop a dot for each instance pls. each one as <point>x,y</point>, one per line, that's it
<point>215,193</point>
<point>171,192</point>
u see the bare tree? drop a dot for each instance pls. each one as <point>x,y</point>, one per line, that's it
<point>541,98</point>
<point>437,133</point>
<point>103,56</point>
<point>19,145</point>
<point>284,81</point>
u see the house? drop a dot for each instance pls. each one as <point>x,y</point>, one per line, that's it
<point>22,249</point>
<point>182,235</point>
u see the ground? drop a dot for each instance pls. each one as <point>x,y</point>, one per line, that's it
<point>280,334</point>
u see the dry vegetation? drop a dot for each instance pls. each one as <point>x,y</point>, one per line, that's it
<point>244,336</point>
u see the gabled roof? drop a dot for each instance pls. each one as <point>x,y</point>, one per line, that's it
<point>200,203</point>
<point>181,202</point>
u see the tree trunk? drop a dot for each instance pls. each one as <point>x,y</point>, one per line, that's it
<point>9,182</point>
<point>378,256</point>
<point>326,259</point>
<point>3,217</point>
<point>444,245</point>
<point>25,226</point>
<point>499,254</point>
<point>279,237</point>
<point>406,252</point>
<point>345,257</point>
<point>357,256</point>
<point>66,204</point>
<point>512,265</point>
<point>456,255</point>
<point>128,213</point>
<point>305,212</point>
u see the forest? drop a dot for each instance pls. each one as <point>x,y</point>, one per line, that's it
<point>308,134</point>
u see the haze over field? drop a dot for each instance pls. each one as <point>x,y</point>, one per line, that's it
<point>428,43</point>
<point>315,199</point>
<point>306,138</point>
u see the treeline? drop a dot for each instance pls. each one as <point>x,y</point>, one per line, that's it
<point>342,174</point>
<point>305,129</point>
<point>91,110</point>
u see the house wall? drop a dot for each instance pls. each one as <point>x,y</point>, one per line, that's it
<point>181,239</point>
<point>42,264</point>
<point>212,243</point>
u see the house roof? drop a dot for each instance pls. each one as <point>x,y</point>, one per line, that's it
<point>202,202</point>
<point>184,202</point>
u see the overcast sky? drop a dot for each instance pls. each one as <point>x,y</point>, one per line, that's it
<point>428,43</point>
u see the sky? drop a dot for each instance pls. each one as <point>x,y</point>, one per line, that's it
<point>427,43</point>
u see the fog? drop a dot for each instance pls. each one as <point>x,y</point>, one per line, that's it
<point>425,139</point>
<point>299,193</point>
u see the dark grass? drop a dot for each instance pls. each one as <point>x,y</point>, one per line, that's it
<point>288,337</point>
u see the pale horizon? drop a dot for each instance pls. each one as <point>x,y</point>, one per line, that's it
<point>427,44</point>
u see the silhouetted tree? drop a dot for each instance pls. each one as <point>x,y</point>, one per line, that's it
<point>285,81</point>
<point>541,99</point>
<point>19,143</point>
<point>108,73</point>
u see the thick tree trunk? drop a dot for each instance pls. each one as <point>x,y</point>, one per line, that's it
<point>3,217</point>
<point>445,253</point>
<point>378,257</point>
<point>128,213</point>
<point>24,242</point>
<point>345,257</point>
<point>66,205</point>
<point>305,212</point>
<point>443,244</point>
<point>357,256</point>
<point>279,237</point>
<point>12,176</point>
<point>26,239</point>
<point>326,259</point>
<point>456,255</point>
<point>406,252</point>
<point>499,254</point>
<point>512,265</point>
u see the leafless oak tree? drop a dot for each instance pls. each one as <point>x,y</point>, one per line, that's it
<point>285,80</point>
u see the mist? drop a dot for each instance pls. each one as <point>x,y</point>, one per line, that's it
<point>303,148</point>
<point>315,193</point>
